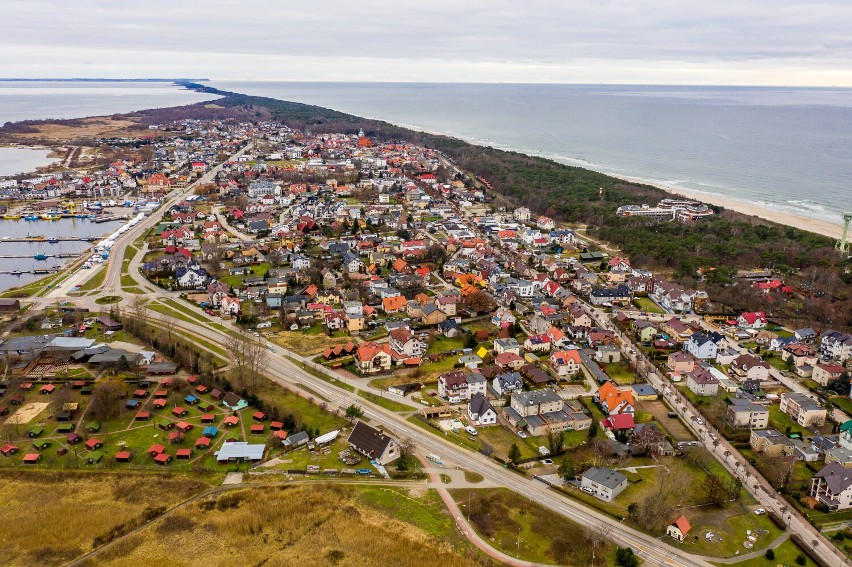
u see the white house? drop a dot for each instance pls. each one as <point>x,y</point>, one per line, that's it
<point>480,412</point>
<point>603,483</point>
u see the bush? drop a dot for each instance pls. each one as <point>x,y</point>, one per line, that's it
<point>770,554</point>
<point>800,559</point>
<point>624,557</point>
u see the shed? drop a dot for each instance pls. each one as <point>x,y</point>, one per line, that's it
<point>142,416</point>
<point>94,457</point>
<point>183,453</point>
<point>179,411</point>
<point>191,400</point>
<point>208,418</point>
<point>202,443</point>
<point>257,429</point>
<point>155,450</point>
<point>231,421</point>
<point>258,416</point>
<point>210,431</point>
<point>163,459</point>
<point>132,404</point>
<point>47,389</point>
<point>123,456</point>
<point>93,444</point>
<point>296,440</point>
<point>32,458</point>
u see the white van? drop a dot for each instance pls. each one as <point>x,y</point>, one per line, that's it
<point>471,430</point>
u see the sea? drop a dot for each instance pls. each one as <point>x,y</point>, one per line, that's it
<point>785,149</point>
<point>38,100</point>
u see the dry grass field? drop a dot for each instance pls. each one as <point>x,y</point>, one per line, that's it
<point>68,131</point>
<point>51,518</point>
<point>304,525</point>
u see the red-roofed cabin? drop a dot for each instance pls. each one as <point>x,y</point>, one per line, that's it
<point>159,394</point>
<point>175,436</point>
<point>140,393</point>
<point>142,416</point>
<point>47,389</point>
<point>201,389</point>
<point>163,459</point>
<point>155,450</point>
<point>183,453</point>
<point>26,386</point>
<point>179,412</point>
<point>281,435</point>
<point>231,421</point>
<point>93,444</point>
<point>32,458</point>
<point>73,438</point>
<point>166,382</point>
<point>160,404</point>
<point>258,416</point>
<point>184,426</point>
<point>276,425</point>
<point>217,394</point>
<point>202,443</point>
<point>257,429</point>
<point>123,456</point>
<point>192,380</point>
<point>208,418</point>
<point>78,384</point>
<point>9,449</point>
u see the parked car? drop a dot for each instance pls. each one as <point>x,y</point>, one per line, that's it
<point>760,511</point>
<point>522,435</point>
<point>471,430</point>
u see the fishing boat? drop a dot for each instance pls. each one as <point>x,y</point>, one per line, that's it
<point>15,272</point>
<point>12,216</point>
<point>40,257</point>
<point>50,216</point>
<point>34,236</point>
<point>52,240</point>
<point>31,217</point>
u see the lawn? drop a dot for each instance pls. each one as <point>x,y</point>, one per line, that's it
<point>96,281</point>
<point>843,403</point>
<point>310,525</point>
<point>785,554</point>
<point>387,403</point>
<point>620,373</point>
<point>75,510</point>
<point>444,344</point>
<point>519,527</point>
<point>300,458</point>
<point>321,375</point>
<point>308,343</point>
<point>189,312</point>
<point>647,304</point>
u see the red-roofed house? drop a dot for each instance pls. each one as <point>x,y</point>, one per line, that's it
<point>619,421</point>
<point>679,528</point>
<point>752,320</point>
<point>565,362</point>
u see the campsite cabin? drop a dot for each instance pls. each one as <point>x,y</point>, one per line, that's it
<point>165,424</point>
<point>192,380</point>
<point>132,404</point>
<point>35,431</point>
<point>123,456</point>
<point>296,440</point>
<point>276,426</point>
<point>142,416</point>
<point>201,389</point>
<point>65,428</point>
<point>183,454</point>
<point>9,449</point>
<point>93,444</point>
<point>179,411</point>
<point>216,394</point>
<point>258,416</point>
<point>175,436</point>
<point>94,457</point>
<point>208,418</point>
<point>159,394</point>
<point>163,459</point>
<point>184,426</point>
<point>231,421</point>
<point>155,450</point>
<point>64,415</point>
<point>93,427</point>
<point>202,443</point>
<point>160,403</point>
<point>257,429</point>
<point>41,444</point>
<point>47,389</point>
<point>73,438</point>
<point>140,393</point>
<point>191,400</point>
<point>32,458</point>
<point>210,431</point>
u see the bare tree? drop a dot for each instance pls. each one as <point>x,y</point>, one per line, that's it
<point>248,355</point>
<point>106,399</point>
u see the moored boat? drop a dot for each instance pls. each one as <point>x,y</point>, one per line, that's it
<point>49,216</point>
<point>12,216</point>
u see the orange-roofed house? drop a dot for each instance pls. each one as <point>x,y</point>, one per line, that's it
<point>394,304</point>
<point>157,183</point>
<point>565,362</point>
<point>679,528</point>
<point>400,265</point>
<point>614,401</point>
<point>371,358</point>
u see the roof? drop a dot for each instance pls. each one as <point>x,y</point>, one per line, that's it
<point>682,524</point>
<point>536,396</point>
<point>240,450</point>
<point>479,405</point>
<point>368,440</point>
<point>605,477</point>
<point>837,477</point>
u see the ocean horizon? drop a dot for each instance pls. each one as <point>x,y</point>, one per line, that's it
<point>786,149</point>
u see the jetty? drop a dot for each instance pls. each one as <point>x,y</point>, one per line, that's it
<point>60,239</point>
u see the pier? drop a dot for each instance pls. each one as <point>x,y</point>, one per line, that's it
<point>46,256</point>
<point>44,239</point>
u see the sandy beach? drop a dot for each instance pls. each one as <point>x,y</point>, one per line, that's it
<point>805,223</point>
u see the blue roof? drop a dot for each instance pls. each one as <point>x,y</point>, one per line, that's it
<point>132,403</point>
<point>190,398</point>
<point>210,431</point>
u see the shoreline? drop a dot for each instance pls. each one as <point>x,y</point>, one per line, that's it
<point>802,222</point>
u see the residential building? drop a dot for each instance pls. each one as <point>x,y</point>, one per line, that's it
<point>457,386</point>
<point>702,346</point>
<point>565,362</point>
<point>536,402</point>
<point>702,383</point>
<point>771,442</point>
<point>802,409</point>
<point>681,362</point>
<point>615,401</point>
<point>750,367</point>
<point>832,486</point>
<point>825,373</point>
<point>371,358</point>
<point>480,411</point>
<point>508,383</point>
<point>603,483</point>
<point>679,529</point>
<point>373,443</point>
<point>744,413</point>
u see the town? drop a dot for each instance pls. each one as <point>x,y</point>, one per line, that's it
<point>402,312</point>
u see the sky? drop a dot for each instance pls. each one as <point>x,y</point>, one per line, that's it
<point>739,42</point>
